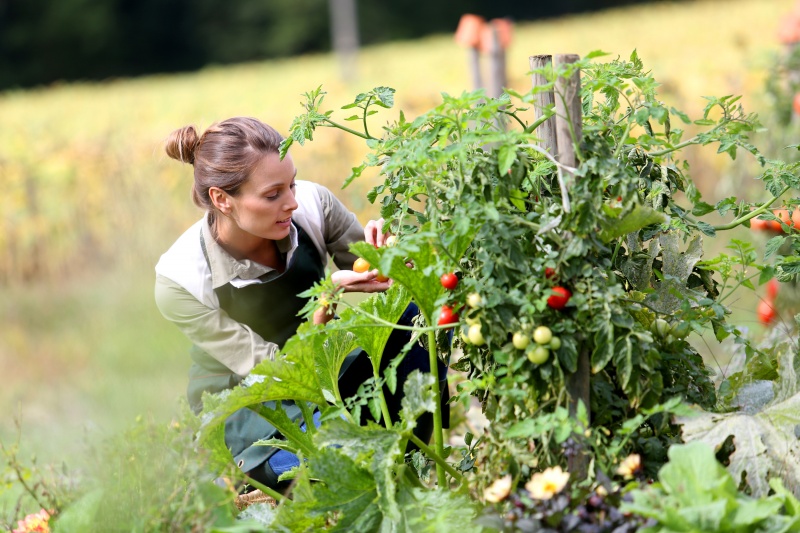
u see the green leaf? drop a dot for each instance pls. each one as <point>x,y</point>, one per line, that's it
<point>603,346</point>
<point>764,440</point>
<point>436,511</point>
<point>640,217</point>
<point>773,245</point>
<point>418,398</point>
<point>372,338</point>
<point>506,156</point>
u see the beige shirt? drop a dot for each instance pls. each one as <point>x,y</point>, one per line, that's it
<point>185,280</point>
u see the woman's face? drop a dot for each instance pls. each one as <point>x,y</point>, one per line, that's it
<point>265,202</point>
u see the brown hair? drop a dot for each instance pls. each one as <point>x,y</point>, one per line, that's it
<point>224,156</point>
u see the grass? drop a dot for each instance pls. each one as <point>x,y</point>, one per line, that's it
<point>92,201</point>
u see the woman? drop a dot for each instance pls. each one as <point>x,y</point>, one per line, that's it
<point>230,282</point>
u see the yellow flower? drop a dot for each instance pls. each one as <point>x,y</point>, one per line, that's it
<point>34,523</point>
<point>629,466</point>
<point>499,490</point>
<point>545,485</point>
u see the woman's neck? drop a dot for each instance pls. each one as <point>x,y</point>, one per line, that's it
<point>242,245</point>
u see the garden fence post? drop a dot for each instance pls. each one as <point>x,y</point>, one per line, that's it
<point>569,118</point>
<point>547,130</point>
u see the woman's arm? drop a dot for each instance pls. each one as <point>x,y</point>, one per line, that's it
<point>231,343</point>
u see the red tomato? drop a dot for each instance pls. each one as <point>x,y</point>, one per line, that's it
<point>549,272</point>
<point>449,281</point>
<point>447,316</point>
<point>772,288</point>
<point>766,313</point>
<point>559,298</point>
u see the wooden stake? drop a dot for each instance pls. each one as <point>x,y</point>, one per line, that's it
<point>569,118</point>
<point>547,130</point>
<point>568,112</point>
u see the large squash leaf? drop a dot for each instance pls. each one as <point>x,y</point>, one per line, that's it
<point>766,443</point>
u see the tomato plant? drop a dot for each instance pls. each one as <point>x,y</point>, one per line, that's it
<point>623,230</point>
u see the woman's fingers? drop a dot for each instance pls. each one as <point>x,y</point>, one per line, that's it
<point>374,233</point>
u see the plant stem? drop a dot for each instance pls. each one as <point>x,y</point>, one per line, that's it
<point>438,437</point>
<point>266,490</point>
<point>437,458</point>
<point>308,416</point>
<point>387,419</point>
<point>754,213</point>
<point>348,130</point>
<point>382,322</point>
<point>366,106</point>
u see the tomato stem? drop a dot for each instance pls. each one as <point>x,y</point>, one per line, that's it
<point>438,437</point>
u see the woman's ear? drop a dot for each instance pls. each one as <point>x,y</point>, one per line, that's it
<point>221,200</point>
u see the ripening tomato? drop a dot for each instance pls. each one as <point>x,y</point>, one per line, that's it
<point>538,354</point>
<point>449,281</point>
<point>766,313</point>
<point>520,340</point>
<point>361,265</point>
<point>542,335</point>
<point>391,240</point>
<point>772,288</point>
<point>549,272</point>
<point>474,300</point>
<point>447,316</point>
<point>559,298</point>
<point>475,336</point>
<point>381,278</point>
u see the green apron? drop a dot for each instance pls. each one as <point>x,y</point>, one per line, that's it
<point>270,309</point>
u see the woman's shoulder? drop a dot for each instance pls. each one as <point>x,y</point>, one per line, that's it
<point>185,263</point>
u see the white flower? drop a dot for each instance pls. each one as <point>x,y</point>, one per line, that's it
<point>629,466</point>
<point>545,485</point>
<point>499,490</point>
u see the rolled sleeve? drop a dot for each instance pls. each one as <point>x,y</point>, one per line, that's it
<point>231,343</point>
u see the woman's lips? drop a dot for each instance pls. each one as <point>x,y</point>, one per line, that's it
<point>285,223</point>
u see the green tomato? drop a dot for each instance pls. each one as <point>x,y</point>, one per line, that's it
<point>463,333</point>
<point>537,354</point>
<point>680,330</point>
<point>555,343</point>
<point>542,335</point>
<point>475,336</point>
<point>474,300</point>
<point>520,340</point>
<point>660,327</point>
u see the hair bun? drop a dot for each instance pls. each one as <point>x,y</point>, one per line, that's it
<point>181,144</point>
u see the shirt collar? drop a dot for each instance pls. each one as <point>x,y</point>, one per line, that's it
<point>226,269</point>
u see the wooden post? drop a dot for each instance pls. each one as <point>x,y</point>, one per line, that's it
<point>569,118</point>
<point>497,63</point>
<point>547,130</point>
<point>474,59</point>
<point>569,115</point>
<point>344,34</point>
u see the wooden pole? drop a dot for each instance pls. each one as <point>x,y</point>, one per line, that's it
<point>497,64</point>
<point>569,118</point>
<point>474,59</point>
<point>547,130</point>
<point>344,34</point>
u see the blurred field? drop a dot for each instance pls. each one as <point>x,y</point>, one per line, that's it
<point>91,200</point>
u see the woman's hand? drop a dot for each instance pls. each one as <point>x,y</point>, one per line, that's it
<point>360,282</point>
<point>374,234</point>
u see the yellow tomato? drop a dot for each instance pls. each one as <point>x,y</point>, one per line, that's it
<point>361,265</point>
